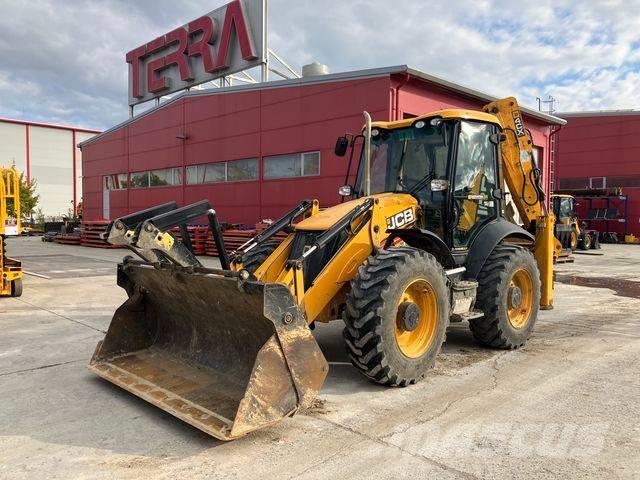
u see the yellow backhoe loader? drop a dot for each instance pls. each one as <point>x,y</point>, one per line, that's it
<point>571,233</point>
<point>420,242</point>
<point>10,268</point>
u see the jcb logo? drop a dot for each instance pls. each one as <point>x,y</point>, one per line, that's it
<point>400,219</point>
<point>517,120</point>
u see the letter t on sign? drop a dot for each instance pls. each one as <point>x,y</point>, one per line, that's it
<point>155,82</point>
<point>134,57</point>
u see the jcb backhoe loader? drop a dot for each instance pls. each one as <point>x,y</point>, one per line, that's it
<point>10,269</point>
<point>420,242</point>
<point>569,231</point>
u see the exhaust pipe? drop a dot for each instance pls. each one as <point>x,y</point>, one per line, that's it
<point>367,154</point>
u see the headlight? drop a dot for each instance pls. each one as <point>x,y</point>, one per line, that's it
<point>345,191</point>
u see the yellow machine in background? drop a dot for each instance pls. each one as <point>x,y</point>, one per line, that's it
<point>570,232</point>
<point>11,269</point>
<point>422,242</point>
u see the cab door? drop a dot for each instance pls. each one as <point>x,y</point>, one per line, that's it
<point>474,181</point>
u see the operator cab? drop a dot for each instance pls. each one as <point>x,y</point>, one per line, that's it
<point>449,161</point>
<point>563,207</point>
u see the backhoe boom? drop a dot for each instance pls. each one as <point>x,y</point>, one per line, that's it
<point>522,176</point>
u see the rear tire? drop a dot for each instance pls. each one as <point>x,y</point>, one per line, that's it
<point>509,296</point>
<point>16,287</point>
<point>396,316</point>
<point>585,243</point>
<point>258,255</point>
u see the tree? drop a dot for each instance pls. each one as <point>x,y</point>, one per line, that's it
<point>28,197</point>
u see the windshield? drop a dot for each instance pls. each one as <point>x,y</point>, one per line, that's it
<point>566,207</point>
<point>403,158</point>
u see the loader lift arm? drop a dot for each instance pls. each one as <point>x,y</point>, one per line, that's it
<point>522,176</point>
<point>146,233</point>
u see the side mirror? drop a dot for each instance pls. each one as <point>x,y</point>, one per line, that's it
<point>497,138</point>
<point>439,185</point>
<point>498,193</point>
<point>342,144</point>
<point>345,191</point>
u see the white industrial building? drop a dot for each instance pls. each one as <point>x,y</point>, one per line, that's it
<point>48,154</point>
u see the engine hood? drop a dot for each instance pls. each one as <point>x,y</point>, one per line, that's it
<point>326,218</point>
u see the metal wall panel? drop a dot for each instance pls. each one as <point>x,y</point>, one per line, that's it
<point>602,146</point>
<point>51,154</point>
<point>13,145</point>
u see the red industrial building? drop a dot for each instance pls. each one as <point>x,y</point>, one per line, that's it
<point>601,150</point>
<point>256,150</point>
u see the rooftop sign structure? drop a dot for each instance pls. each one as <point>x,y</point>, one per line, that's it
<point>227,40</point>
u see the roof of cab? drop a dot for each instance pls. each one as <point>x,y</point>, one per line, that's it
<point>446,114</point>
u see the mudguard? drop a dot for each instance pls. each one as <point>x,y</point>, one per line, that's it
<point>487,239</point>
<point>424,240</point>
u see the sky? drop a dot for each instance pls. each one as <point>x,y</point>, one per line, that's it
<point>64,61</point>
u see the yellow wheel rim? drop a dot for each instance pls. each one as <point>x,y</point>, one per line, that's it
<point>418,301</point>
<point>520,299</point>
<point>574,240</point>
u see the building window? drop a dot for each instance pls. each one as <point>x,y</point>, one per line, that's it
<point>118,181</point>
<point>122,180</point>
<point>165,177</point>
<point>221,172</point>
<point>157,178</point>
<point>294,165</point>
<point>139,180</point>
<point>242,170</point>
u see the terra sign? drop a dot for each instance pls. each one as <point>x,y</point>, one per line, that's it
<point>225,41</point>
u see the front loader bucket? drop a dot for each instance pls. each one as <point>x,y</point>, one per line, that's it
<point>225,358</point>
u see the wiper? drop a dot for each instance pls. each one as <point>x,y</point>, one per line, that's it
<point>422,183</point>
<point>401,166</point>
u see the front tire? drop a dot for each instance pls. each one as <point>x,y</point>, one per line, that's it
<point>16,287</point>
<point>396,316</point>
<point>509,296</point>
<point>574,239</point>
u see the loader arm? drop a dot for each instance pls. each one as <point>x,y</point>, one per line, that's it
<point>522,176</point>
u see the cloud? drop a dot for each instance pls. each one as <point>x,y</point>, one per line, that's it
<point>64,61</point>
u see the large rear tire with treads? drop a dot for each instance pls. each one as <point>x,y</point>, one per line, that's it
<point>509,297</point>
